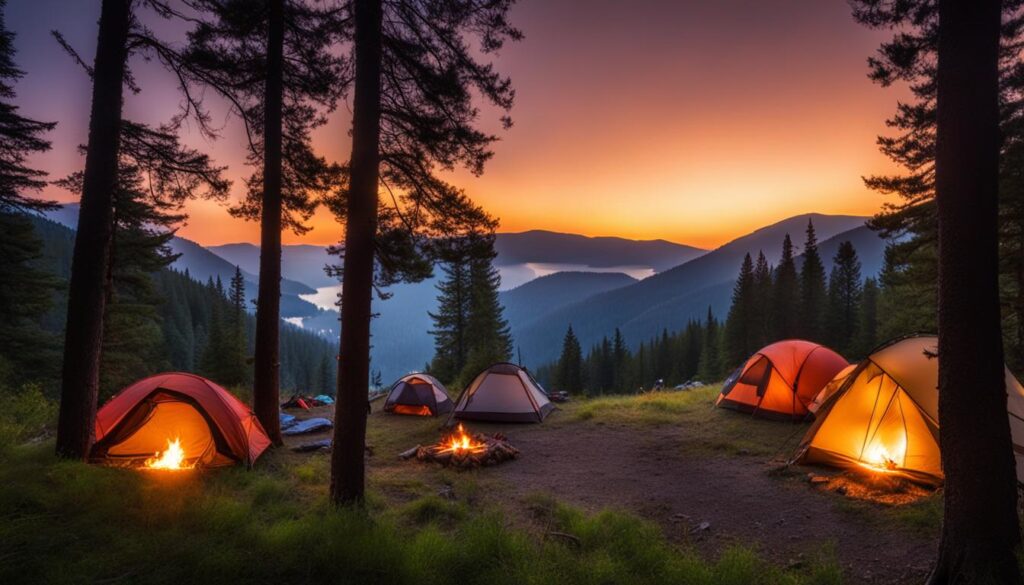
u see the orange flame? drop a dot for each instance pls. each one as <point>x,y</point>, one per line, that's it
<point>173,459</point>
<point>460,443</point>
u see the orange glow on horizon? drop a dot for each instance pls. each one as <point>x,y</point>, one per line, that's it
<point>693,122</point>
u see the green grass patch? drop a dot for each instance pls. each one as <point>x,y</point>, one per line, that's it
<point>66,522</point>
<point>703,427</point>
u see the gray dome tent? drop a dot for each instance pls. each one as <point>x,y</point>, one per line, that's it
<point>418,394</point>
<point>503,393</point>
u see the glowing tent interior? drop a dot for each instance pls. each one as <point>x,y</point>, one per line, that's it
<point>181,414</point>
<point>884,416</point>
<point>418,394</point>
<point>781,380</point>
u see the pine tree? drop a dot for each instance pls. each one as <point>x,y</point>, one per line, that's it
<point>761,316</point>
<point>26,292</point>
<point>813,295</point>
<point>739,334</point>
<point>662,358</point>
<point>454,299</point>
<point>692,350</point>
<point>785,296</point>
<point>620,360</point>
<point>867,332</point>
<point>235,370</point>
<point>212,362</point>
<point>418,74</point>
<point>710,367</point>
<point>487,333</point>
<point>122,33</point>
<point>274,61</point>
<point>570,365</point>
<point>844,298</point>
<point>961,61</point>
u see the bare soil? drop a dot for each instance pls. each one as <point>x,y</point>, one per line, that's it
<point>707,500</point>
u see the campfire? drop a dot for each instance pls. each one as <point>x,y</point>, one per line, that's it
<point>172,459</point>
<point>463,449</point>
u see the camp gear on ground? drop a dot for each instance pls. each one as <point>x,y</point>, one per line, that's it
<point>211,426</point>
<point>781,380</point>
<point>321,445</point>
<point>324,399</point>
<point>310,425</point>
<point>884,417</point>
<point>503,393</point>
<point>418,394</point>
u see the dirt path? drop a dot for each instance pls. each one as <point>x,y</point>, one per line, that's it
<point>650,473</point>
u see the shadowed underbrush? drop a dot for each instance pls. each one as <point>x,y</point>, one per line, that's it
<point>65,522</point>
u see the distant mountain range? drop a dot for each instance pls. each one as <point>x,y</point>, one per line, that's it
<point>202,264</point>
<point>673,297</point>
<point>550,280</point>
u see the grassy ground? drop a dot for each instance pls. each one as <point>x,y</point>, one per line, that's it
<point>64,522</point>
<point>707,429</point>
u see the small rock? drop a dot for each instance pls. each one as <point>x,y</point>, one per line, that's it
<point>446,492</point>
<point>704,526</point>
<point>841,490</point>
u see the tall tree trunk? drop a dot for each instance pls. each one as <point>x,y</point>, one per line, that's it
<point>267,375</point>
<point>980,531</point>
<point>347,458</point>
<point>89,264</point>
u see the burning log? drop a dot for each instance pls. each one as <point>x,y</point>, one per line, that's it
<point>466,450</point>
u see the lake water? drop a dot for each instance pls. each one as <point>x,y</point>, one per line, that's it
<point>511,276</point>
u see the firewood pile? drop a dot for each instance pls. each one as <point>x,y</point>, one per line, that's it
<point>465,450</point>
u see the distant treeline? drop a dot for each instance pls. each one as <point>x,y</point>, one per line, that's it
<point>769,303</point>
<point>157,321</point>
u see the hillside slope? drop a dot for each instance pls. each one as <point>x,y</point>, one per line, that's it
<point>669,299</point>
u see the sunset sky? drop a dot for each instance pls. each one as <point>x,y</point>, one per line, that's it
<point>692,121</point>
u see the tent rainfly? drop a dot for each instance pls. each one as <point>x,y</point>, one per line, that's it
<point>781,380</point>
<point>503,393</point>
<point>830,388</point>
<point>212,427</point>
<point>884,416</point>
<point>418,394</point>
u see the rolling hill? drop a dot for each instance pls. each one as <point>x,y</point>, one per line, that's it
<point>671,298</point>
<point>202,264</point>
<point>596,252</point>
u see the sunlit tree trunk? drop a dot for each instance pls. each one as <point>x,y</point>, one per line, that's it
<point>89,264</point>
<point>347,459</point>
<point>267,375</point>
<point>980,531</point>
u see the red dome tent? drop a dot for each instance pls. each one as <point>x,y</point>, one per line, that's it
<point>781,380</point>
<point>213,427</point>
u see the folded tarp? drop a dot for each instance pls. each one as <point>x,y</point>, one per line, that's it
<point>321,445</point>
<point>324,398</point>
<point>310,425</point>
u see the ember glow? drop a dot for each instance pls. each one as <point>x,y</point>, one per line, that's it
<point>461,443</point>
<point>173,459</point>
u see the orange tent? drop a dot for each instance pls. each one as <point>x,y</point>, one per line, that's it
<point>781,380</point>
<point>831,388</point>
<point>213,427</point>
